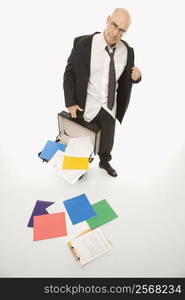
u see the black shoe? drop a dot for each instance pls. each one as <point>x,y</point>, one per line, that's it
<point>105,165</point>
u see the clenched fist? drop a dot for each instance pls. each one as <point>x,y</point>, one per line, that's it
<point>136,73</point>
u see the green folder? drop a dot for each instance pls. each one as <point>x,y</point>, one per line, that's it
<point>104,214</point>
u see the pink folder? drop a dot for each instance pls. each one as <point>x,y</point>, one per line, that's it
<point>49,226</point>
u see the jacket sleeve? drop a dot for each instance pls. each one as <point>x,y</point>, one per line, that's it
<point>125,87</point>
<point>127,80</point>
<point>138,80</point>
<point>69,79</point>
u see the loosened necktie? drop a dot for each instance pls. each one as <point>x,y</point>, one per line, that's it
<point>112,79</point>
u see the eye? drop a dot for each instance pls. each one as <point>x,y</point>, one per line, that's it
<point>122,31</point>
<point>115,25</point>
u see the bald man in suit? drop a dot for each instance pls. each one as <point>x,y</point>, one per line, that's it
<point>98,80</point>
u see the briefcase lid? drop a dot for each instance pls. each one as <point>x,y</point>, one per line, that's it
<point>77,127</point>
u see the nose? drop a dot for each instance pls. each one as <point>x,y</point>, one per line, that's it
<point>115,32</point>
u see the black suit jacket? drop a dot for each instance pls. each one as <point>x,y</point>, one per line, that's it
<point>77,73</point>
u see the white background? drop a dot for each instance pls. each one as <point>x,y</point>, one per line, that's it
<point>149,193</point>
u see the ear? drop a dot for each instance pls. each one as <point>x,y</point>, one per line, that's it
<point>108,19</point>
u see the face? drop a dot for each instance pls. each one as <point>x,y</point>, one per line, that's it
<point>116,27</point>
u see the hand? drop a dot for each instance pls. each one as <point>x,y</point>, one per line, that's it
<point>72,110</point>
<point>136,73</point>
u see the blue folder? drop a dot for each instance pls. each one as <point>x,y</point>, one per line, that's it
<point>79,209</point>
<point>50,149</point>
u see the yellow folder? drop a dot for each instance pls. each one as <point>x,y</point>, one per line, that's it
<point>78,163</point>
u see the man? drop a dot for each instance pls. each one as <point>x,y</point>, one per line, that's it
<point>98,80</point>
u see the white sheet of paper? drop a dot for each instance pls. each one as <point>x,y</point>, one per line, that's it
<point>79,147</point>
<point>91,245</point>
<point>72,230</point>
<point>55,163</point>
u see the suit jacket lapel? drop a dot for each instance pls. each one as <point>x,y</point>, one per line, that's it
<point>87,45</point>
<point>128,55</point>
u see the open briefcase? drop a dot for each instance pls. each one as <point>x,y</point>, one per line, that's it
<point>77,127</point>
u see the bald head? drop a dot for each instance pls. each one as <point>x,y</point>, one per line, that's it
<point>117,25</point>
<point>122,15</point>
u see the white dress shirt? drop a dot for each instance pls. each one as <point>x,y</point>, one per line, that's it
<point>97,89</point>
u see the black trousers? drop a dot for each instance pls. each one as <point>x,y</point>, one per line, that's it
<point>106,123</point>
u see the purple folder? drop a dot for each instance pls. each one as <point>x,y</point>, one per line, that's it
<point>39,209</point>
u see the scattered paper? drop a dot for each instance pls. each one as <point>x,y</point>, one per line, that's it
<point>89,246</point>
<point>55,164</point>
<point>79,147</point>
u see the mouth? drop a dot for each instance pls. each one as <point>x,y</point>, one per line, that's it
<point>113,38</point>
